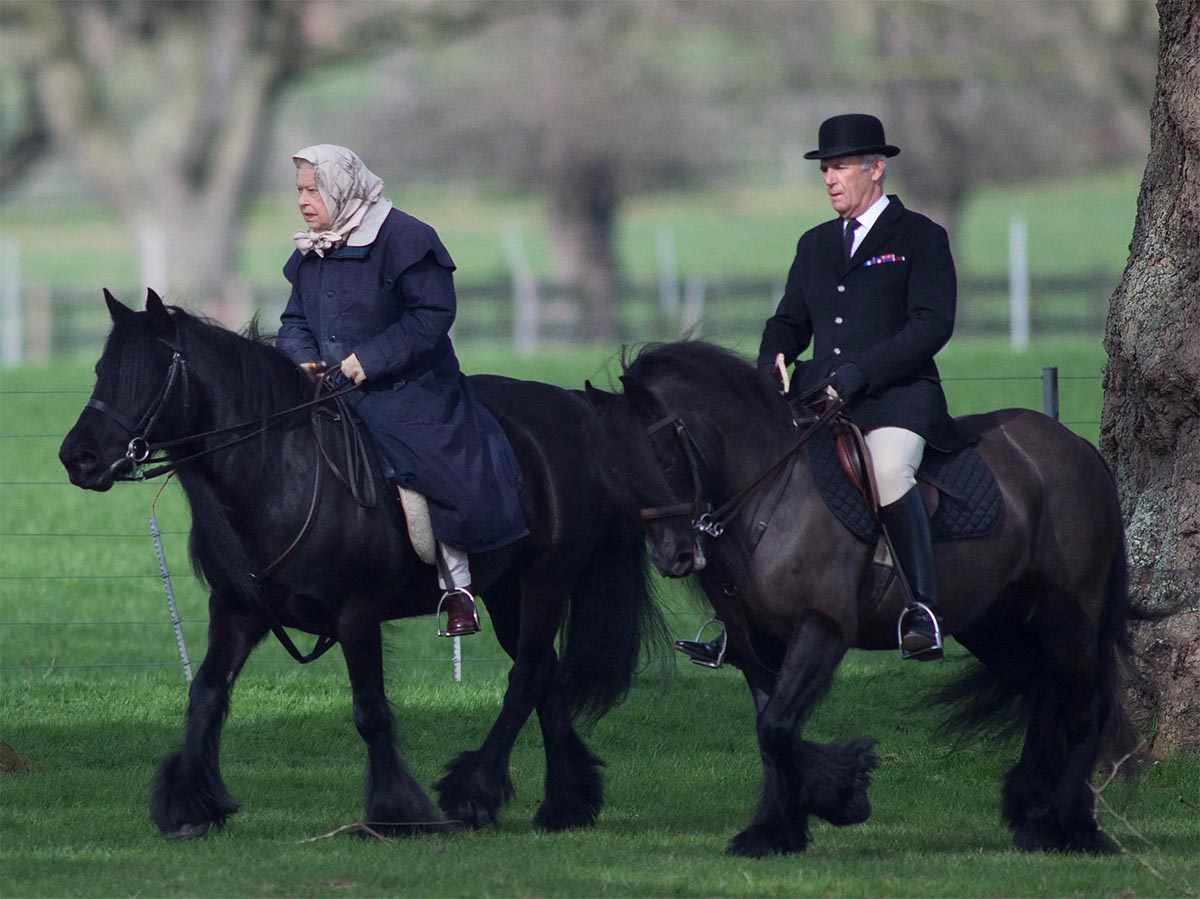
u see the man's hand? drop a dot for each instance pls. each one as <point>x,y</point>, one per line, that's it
<point>848,382</point>
<point>353,370</point>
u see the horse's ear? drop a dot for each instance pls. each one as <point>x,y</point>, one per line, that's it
<point>160,319</point>
<point>116,309</point>
<point>639,394</point>
<point>597,397</point>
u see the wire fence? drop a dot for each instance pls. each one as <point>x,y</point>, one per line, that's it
<point>15,589</point>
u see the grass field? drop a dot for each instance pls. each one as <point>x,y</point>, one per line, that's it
<point>91,693</point>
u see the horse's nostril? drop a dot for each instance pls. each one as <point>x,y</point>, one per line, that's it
<point>80,460</point>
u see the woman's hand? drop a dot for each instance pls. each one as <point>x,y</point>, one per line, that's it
<point>315,370</point>
<point>353,370</point>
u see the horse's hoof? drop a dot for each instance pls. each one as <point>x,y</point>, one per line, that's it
<point>471,815</point>
<point>756,842</point>
<point>187,832</point>
<point>565,816</point>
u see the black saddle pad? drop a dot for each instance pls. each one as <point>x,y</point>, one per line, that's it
<point>970,504</point>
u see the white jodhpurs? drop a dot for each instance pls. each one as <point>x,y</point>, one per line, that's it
<point>895,457</point>
<point>458,566</point>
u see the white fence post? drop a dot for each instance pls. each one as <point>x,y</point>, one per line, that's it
<point>668,274</point>
<point>153,244</point>
<point>525,298</point>
<point>693,307</point>
<point>12,342</point>
<point>1018,284</point>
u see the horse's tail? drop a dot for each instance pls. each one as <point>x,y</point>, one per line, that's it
<point>612,618</point>
<point>1116,652</point>
<point>994,698</point>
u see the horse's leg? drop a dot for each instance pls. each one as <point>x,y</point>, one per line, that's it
<point>802,778</point>
<point>189,795</point>
<point>1048,800</point>
<point>395,802</point>
<point>476,783</point>
<point>574,788</point>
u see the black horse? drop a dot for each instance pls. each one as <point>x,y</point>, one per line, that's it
<point>1042,601</point>
<point>166,375</point>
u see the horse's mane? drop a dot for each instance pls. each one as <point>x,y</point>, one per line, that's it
<point>249,358</point>
<point>716,372</point>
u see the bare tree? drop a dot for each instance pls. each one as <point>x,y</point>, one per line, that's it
<point>589,101</point>
<point>1150,430</point>
<point>166,105</point>
<point>997,91</point>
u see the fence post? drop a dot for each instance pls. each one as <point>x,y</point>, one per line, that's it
<point>152,241</point>
<point>1018,284</point>
<point>1050,391</point>
<point>525,298</point>
<point>693,307</point>
<point>668,274</point>
<point>12,344</point>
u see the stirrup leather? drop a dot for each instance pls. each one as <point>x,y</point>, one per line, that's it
<point>445,631</point>
<point>934,651</point>
<point>706,653</point>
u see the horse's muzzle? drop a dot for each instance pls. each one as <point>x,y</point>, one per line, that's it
<point>679,560</point>
<point>85,467</point>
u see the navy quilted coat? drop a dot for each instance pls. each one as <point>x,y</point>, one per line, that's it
<point>392,304</point>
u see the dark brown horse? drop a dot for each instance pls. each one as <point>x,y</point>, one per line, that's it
<point>1041,602</point>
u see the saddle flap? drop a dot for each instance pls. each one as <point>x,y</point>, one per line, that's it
<point>420,528</point>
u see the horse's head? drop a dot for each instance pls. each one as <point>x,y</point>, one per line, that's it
<point>139,394</point>
<point>693,422</point>
<point>648,466</point>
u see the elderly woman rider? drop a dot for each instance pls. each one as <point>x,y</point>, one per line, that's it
<point>373,294</point>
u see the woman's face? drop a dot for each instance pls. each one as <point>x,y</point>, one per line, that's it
<point>312,207</point>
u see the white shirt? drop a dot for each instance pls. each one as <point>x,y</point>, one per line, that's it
<point>866,220</point>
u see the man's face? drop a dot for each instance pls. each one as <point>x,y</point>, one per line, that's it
<point>312,207</point>
<point>851,189</point>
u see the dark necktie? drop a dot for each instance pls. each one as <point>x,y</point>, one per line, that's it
<point>848,239</point>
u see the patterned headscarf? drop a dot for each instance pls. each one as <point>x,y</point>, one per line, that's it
<point>353,195</point>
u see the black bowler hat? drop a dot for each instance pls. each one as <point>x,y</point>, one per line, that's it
<point>853,134</point>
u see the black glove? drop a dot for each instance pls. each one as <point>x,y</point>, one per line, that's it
<point>848,381</point>
<point>769,372</point>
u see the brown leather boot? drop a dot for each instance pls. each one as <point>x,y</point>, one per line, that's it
<point>462,618</point>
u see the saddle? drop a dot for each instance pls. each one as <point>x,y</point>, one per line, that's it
<point>960,492</point>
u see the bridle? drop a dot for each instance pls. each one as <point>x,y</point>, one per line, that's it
<point>705,520</point>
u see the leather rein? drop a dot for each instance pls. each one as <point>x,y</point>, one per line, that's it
<point>358,476</point>
<point>706,519</point>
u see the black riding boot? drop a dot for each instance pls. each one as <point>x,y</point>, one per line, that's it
<point>907,528</point>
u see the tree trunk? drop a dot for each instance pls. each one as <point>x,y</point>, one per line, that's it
<point>1150,429</point>
<point>175,157</point>
<point>584,212</point>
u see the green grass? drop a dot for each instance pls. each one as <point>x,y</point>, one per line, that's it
<point>90,690</point>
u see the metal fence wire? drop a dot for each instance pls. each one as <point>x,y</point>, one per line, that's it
<point>16,589</point>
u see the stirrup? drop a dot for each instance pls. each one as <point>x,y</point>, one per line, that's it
<point>929,653</point>
<point>705,653</point>
<point>445,632</point>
